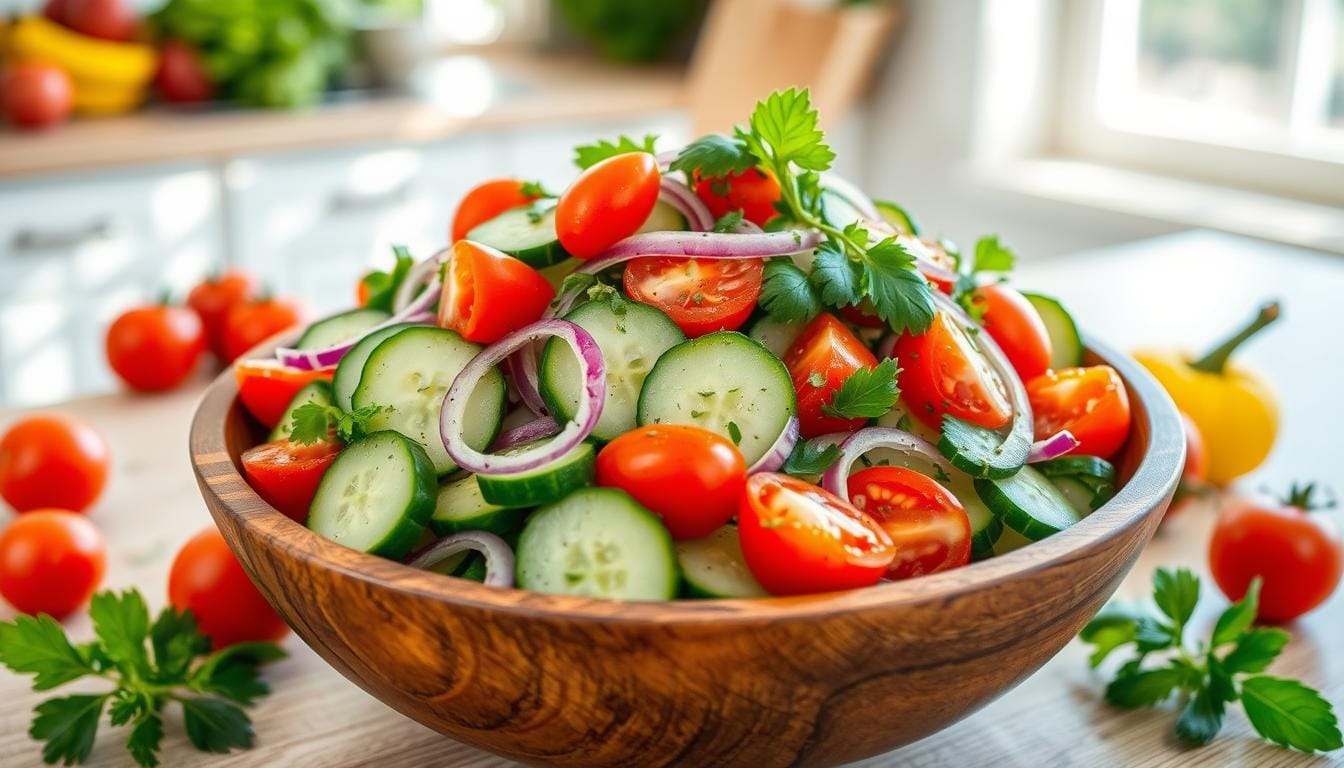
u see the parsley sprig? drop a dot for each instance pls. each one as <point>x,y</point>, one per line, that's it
<point>866,393</point>
<point>176,667</point>
<point>810,458</point>
<point>382,286</point>
<point>1212,674</point>
<point>989,256</point>
<point>315,422</point>
<point>588,155</point>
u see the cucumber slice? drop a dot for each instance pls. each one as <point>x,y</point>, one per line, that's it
<point>987,453</point>
<point>526,233</point>
<point>1009,541</point>
<point>351,367</point>
<point>598,542</point>
<point>1028,503</point>
<point>461,507</point>
<point>409,373</point>
<point>1094,473</point>
<point>1078,494</point>
<point>774,335</point>
<point>376,496</point>
<point>836,209</point>
<point>313,392</point>
<point>663,218</point>
<point>631,343</point>
<point>543,485</point>
<point>556,273</point>
<point>1066,344</point>
<point>897,217</point>
<point>330,331</point>
<point>714,566</point>
<point>723,382</point>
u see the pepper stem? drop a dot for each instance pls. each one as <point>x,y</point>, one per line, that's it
<point>1216,360</point>
<point>1303,497</point>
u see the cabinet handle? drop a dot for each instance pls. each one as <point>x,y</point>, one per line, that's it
<point>34,241</point>
<point>347,201</point>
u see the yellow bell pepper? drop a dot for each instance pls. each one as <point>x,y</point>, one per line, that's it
<point>1235,411</point>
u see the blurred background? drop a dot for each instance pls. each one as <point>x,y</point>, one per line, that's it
<point>150,144</point>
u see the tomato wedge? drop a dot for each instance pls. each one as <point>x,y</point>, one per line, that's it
<point>753,192</point>
<point>486,201</point>
<point>607,202</point>
<point>701,296</point>
<point>798,538</point>
<point>286,474</point>
<point>943,373</point>
<point>488,294</point>
<point>1016,327</point>
<point>267,386</point>
<point>1089,402</point>
<point>820,360</point>
<point>927,524</point>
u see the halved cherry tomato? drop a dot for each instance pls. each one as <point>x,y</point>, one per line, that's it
<point>943,373</point>
<point>267,386</point>
<point>488,294</point>
<point>799,538</point>
<point>606,203</point>
<point>690,477</point>
<point>927,524</point>
<point>52,460</point>
<point>212,299</point>
<point>700,296</point>
<point>821,358</point>
<point>207,579</point>
<point>1089,402</point>
<point>1016,327</point>
<point>752,192</point>
<point>863,315</point>
<point>286,474</point>
<point>485,202</point>
<point>252,322</point>
<point>51,561</point>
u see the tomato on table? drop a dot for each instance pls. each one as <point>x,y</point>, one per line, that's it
<point>207,579</point>
<point>250,323</point>
<point>155,348</point>
<point>943,373</point>
<point>926,522</point>
<point>689,476</point>
<point>799,538</point>
<point>699,295</point>
<point>52,460</point>
<point>51,561</point>
<point>267,386</point>
<point>753,192</point>
<point>1016,327</point>
<point>286,473</point>
<point>486,201</point>
<point>212,299</point>
<point>608,202</point>
<point>488,294</point>
<point>181,77</point>
<point>1089,402</point>
<point>821,358</point>
<point>36,94</point>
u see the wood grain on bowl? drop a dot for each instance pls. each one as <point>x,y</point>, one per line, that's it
<point>813,680</point>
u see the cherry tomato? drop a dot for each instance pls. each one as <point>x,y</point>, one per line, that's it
<point>488,294</point>
<point>52,460</point>
<point>214,297</point>
<point>798,538</point>
<point>926,523</point>
<point>155,348</point>
<point>821,358</point>
<point>690,477</point>
<point>207,579</point>
<point>51,561</point>
<point>863,315</point>
<point>943,373</point>
<point>55,10</point>
<point>362,291</point>
<point>700,296</point>
<point>1089,402</point>
<point>181,77</point>
<point>267,386</point>
<point>485,202</point>
<point>252,322</point>
<point>1296,552</point>
<point>106,19</point>
<point>752,192</point>
<point>1016,327</point>
<point>607,202</point>
<point>286,474</point>
<point>36,94</point>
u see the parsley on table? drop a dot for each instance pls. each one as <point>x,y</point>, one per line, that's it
<point>810,458</point>
<point>177,666</point>
<point>1212,674</point>
<point>588,155</point>
<point>867,393</point>
<point>382,286</point>
<point>315,422</point>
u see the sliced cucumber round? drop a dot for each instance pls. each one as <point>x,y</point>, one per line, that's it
<point>774,335</point>
<point>714,567</point>
<point>376,496</point>
<point>461,507</point>
<point>526,233</point>
<point>1066,344</point>
<point>663,218</point>
<point>897,217</point>
<point>544,484</point>
<point>330,331</point>
<point>313,392</point>
<point>1028,503</point>
<point>351,367</point>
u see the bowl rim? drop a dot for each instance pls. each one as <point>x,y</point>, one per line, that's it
<point>1150,486</point>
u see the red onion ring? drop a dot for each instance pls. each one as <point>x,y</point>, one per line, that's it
<point>687,203</point>
<point>525,433</point>
<point>454,412</point>
<point>522,368</point>
<point>317,359</point>
<point>705,245</point>
<point>1052,447</point>
<point>836,479</point>
<point>498,556</point>
<point>415,278</point>
<point>779,451</point>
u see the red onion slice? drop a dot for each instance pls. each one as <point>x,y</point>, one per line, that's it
<point>454,412</point>
<point>522,368</point>
<point>525,433</point>
<point>779,451</point>
<point>317,359</point>
<point>419,275</point>
<point>687,203</point>
<point>498,556</point>
<point>707,245</point>
<point>836,479</point>
<point>1052,447</point>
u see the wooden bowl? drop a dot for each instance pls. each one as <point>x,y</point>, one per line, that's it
<point>814,680</point>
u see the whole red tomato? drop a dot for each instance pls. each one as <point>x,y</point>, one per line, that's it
<point>36,94</point>
<point>52,460</point>
<point>207,579</point>
<point>252,322</point>
<point>286,474</point>
<point>107,19</point>
<point>51,561</point>
<point>155,348</point>
<point>1016,327</point>
<point>1296,552</point>
<point>607,202</point>
<point>181,77</point>
<point>214,297</point>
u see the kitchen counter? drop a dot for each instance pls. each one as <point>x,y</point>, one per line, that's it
<point>1185,290</point>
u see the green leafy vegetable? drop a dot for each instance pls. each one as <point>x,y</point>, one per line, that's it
<point>810,458</point>
<point>588,155</point>
<point>382,286</point>
<point>714,155</point>
<point>786,294</point>
<point>837,279</point>
<point>735,432</point>
<point>867,393</point>
<point>728,221</point>
<point>315,422</point>
<point>535,189</point>
<point>990,255</point>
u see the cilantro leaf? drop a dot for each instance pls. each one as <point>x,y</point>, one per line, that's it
<point>735,432</point>
<point>214,725</point>
<point>1108,631</point>
<point>1201,719</point>
<point>121,623</point>
<point>144,740</point>
<point>1143,688</point>
<point>786,121</point>
<point>38,646</point>
<point>1176,593</point>
<point>232,672</point>
<point>312,423</point>
<point>728,221</point>
<point>127,704</point>
<point>714,155</point>
<point>866,393</point>
<point>176,641</point>
<point>900,294</point>
<point>1154,635</point>
<point>381,287</point>
<point>68,725</point>
<point>1239,616</point>
<point>535,189</point>
<point>786,294</point>
<point>836,277</point>
<point>1290,714</point>
<point>1255,650</point>
<point>588,155</point>
<point>993,256</point>
<point>355,425</point>
<point>810,458</point>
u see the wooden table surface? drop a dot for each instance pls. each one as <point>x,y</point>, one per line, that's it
<point>1183,290</point>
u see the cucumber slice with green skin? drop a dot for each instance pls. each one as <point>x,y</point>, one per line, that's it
<point>1094,473</point>
<point>631,343</point>
<point>726,383</point>
<point>526,233</point>
<point>544,484</point>
<point>313,392</point>
<point>1078,494</point>
<point>663,218</point>
<point>897,217</point>
<point>774,335</point>
<point>836,209</point>
<point>1066,344</point>
<point>1028,503</point>
<point>346,378</point>
<point>598,542</point>
<point>714,567</point>
<point>986,453</point>
<point>330,331</point>
<point>1009,541</point>
<point>409,373</point>
<point>461,507</point>
<point>377,496</point>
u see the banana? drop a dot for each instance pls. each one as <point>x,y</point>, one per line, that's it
<point>96,99</point>
<point>86,59</point>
